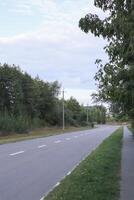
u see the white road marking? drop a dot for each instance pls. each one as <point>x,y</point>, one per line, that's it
<point>75,136</point>
<point>81,135</point>
<point>16,153</point>
<point>57,184</point>
<point>58,141</point>
<point>68,173</point>
<point>42,198</point>
<point>68,138</point>
<point>41,146</point>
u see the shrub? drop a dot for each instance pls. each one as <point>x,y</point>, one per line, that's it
<point>17,124</point>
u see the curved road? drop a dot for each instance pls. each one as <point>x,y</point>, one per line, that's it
<point>29,169</point>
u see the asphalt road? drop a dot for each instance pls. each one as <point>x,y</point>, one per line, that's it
<point>29,169</point>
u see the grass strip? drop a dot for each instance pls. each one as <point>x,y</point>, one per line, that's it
<point>97,177</point>
<point>131,130</point>
<point>39,133</point>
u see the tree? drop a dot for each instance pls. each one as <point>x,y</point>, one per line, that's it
<point>98,114</point>
<point>26,102</point>
<point>47,101</point>
<point>73,111</point>
<point>116,78</point>
<point>10,88</point>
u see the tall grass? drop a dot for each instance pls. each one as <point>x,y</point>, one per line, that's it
<point>17,124</point>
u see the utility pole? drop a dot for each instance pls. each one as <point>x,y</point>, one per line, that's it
<point>87,113</point>
<point>63,112</point>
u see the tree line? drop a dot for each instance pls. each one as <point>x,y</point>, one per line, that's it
<point>115,77</point>
<point>27,103</point>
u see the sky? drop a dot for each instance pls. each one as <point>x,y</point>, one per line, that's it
<point>43,38</point>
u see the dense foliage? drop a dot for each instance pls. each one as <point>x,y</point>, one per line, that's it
<point>116,77</point>
<point>27,103</point>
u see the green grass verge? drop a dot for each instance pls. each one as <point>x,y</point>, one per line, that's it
<point>131,130</point>
<point>45,132</point>
<point>97,177</point>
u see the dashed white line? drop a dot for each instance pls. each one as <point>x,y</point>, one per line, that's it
<point>68,138</point>
<point>16,153</point>
<point>58,141</point>
<point>57,184</point>
<point>75,136</point>
<point>41,146</point>
<point>68,173</point>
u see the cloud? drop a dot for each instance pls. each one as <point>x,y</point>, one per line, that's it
<point>58,49</point>
<point>82,95</point>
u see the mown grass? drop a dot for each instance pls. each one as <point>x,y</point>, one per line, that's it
<point>131,130</point>
<point>38,133</point>
<point>97,177</point>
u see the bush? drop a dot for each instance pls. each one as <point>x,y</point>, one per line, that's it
<point>92,124</point>
<point>17,124</point>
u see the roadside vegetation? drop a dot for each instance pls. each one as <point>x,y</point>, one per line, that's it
<point>115,77</point>
<point>39,133</point>
<point>28,103</point>
<point>131,128</point>
<point>97,177</point>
